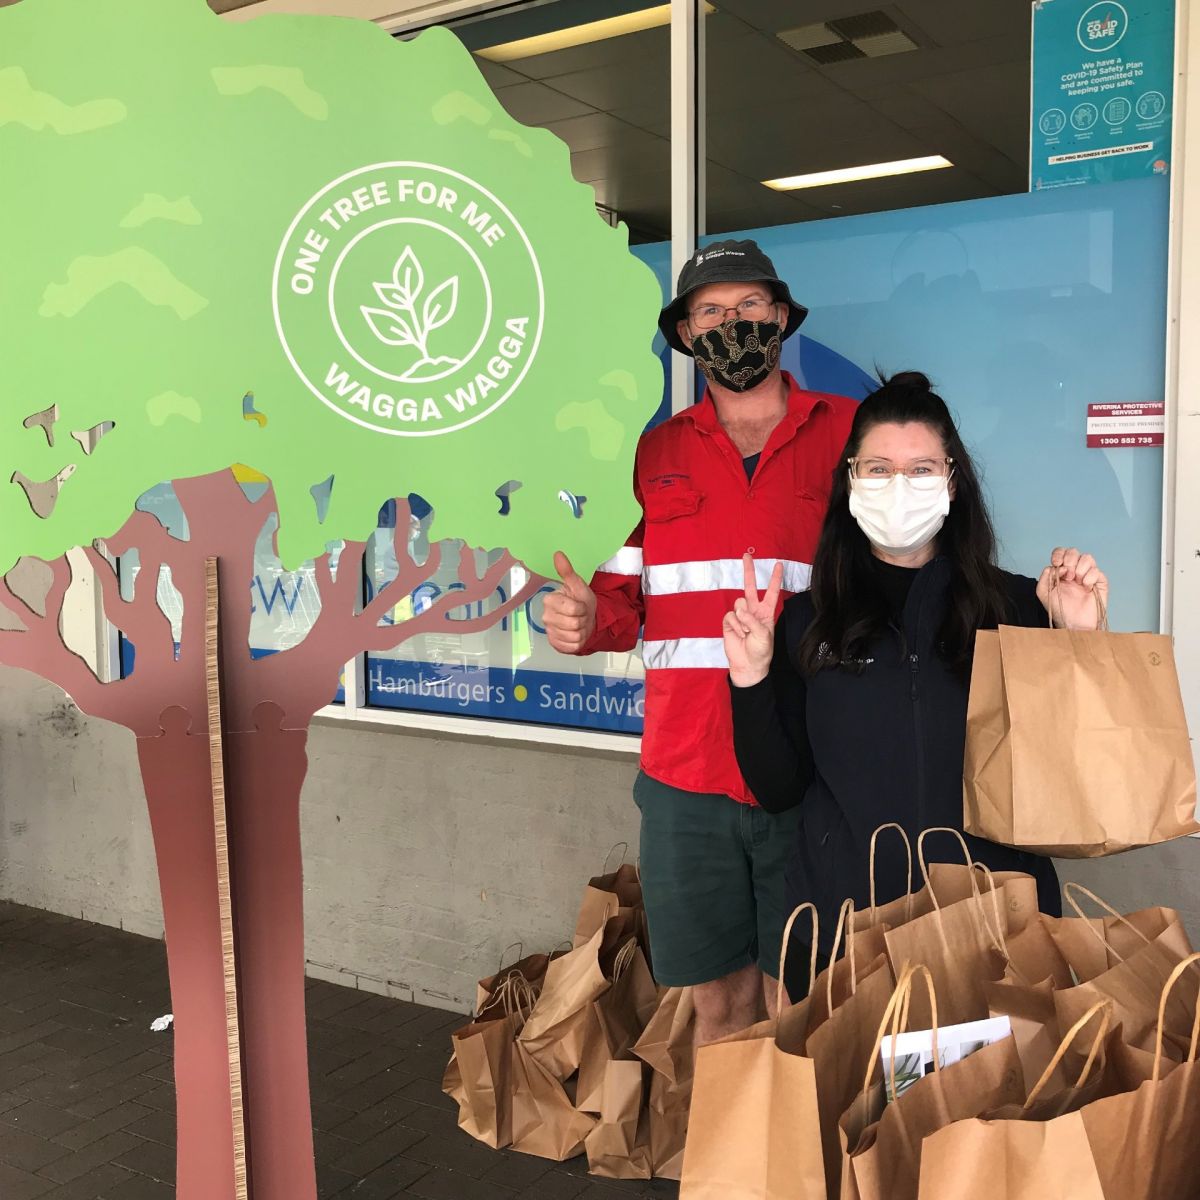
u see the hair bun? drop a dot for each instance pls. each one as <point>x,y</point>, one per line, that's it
<point>909,381</point>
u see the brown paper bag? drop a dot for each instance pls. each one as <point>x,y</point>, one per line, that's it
<point>605,896</point>
<point>554,1033</point>
<point>962,943</point>
<point>1110,703</point>
<point>1034,956</point>
<point>754,1131</point>
<point>1032,1161</point>
<point>881,1143</point>
<point>842,1048</point>
<point>482,1060</point>
<point>479,1075</point>
<point>1093,945</point>
<point>1033,1150</point>
<point>615,1022</point>
<point>1136,1141</point>
<point>544,1120</point>
<point>942,883</point>
<point>846,1002</point>
<point>531,968</point>
<point>1144,1141</point>
<point>666,1045</point>
<point>670,1104</point>
<point>452,1085</point>
<point>619,1146</point>
<point>1135,983</point>
<point>837,982</point>
<point>1031,1011</point>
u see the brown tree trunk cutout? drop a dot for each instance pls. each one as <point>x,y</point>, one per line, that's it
<point>268,705</point>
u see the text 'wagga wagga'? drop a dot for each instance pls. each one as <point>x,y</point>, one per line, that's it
<point>410,409</point>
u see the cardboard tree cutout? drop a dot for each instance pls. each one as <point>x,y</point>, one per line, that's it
<point>299,245</point>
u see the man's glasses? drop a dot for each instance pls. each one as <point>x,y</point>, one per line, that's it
<point>708,316</point>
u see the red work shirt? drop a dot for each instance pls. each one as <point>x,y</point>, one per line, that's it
<point>681,569</point>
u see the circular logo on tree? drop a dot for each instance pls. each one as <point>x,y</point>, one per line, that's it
<point>408,299</point>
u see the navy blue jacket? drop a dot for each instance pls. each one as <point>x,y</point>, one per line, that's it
<point>858,749</point>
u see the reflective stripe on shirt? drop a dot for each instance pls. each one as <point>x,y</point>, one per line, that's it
<point>626,561</point>
<point>685,652</point>
<point>718,575</point>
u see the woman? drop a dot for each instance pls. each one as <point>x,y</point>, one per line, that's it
<point>854,703</point>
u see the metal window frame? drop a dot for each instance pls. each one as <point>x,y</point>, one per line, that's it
<point>1179,289</point>
<point>1180,605</point>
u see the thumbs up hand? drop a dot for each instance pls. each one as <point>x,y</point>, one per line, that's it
<point>570,612</point>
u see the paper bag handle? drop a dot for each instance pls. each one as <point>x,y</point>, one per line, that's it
<point>1069,890</point>
<point>1105,1007</point>
<point>845,926</point>
<point>896,1013</point>
<point>1101,608</point>
<point>996,937</point>
<point>962,841</point>
<point>787,937</point>
<point>624,849</point>
<point>515,994</point>
<point>908,850</point>
<point>520,949</point>
<point>1172,979</point>
<point>623,959</point>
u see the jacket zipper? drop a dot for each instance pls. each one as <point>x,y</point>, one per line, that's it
<point>913,666</point>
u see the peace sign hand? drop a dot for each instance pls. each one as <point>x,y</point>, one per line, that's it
<point>749,630</point>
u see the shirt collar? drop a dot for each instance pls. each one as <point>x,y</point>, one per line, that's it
<point>800,404</point>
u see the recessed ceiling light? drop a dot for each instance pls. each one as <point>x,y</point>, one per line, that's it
<point>581,35</point>
<point>904,166</point>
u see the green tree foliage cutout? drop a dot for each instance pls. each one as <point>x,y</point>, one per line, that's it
<point>154,160</point>
<point>298,245</point>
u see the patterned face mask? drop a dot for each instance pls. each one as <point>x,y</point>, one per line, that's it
<point>738,355</point>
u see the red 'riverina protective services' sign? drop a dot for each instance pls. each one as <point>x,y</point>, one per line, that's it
<point>1113,425</point>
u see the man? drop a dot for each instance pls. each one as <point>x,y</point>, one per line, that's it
<point>748,468</point>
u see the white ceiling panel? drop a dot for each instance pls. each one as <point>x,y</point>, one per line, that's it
<point>536,104</point>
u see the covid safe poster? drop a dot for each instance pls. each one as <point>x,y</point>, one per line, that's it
<point>1101,94</point>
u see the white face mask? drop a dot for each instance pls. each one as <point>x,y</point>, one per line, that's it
<point>900,515</point>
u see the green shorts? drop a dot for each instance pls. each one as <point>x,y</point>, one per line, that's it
<point>712,877</point>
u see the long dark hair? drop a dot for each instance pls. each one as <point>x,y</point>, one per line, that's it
<point>848,602</point>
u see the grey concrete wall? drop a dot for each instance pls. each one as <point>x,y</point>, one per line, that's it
<point>74,834</point>
<point>424,856</point>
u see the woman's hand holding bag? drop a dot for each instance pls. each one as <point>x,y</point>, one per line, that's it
<point>1074,591</point>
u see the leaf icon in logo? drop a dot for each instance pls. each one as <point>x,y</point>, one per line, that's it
<point>389,327</point>
<point>392,296</point>
<point>408,277</point>
<point>440,305</point>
